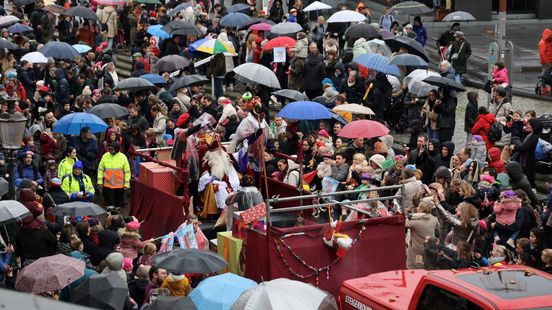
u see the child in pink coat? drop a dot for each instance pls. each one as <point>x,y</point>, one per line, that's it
<point>505,210</point>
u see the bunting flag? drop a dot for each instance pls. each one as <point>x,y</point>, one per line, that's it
<point>186,236</point>
<point>307,178</point>
<point>167,242</point>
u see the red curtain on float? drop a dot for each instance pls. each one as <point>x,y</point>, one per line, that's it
<point>379,248</point>
<point>161,212</point>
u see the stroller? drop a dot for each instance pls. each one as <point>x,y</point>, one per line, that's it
<point>544,84</point>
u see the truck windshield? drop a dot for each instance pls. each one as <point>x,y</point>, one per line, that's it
<point>434,297</point>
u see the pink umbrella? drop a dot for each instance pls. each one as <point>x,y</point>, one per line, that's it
<point>112,2</point>
<point>49,273</point>
<point>261,27</point>
<point>363,129</point>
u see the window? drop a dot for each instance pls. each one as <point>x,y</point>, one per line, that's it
<point>435,298</point>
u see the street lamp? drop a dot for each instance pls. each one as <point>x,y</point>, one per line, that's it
<point>12,129</point>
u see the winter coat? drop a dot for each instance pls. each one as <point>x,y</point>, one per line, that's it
<point>109,16</point>
<point>35,243</point>
<point>361,47</point>
<point>506,209</point>
<point>292,174</point>
<point>459,231</point>
<point>447,112</point>
<point>471,112</point>
<point>482,127</point>
<point>130,244</point>
<point>341,172</point>
<point>302,48</point>
<point>421,225</point>
<point>527,149</point>
<point>353,93</point>
<point>217,66</point>
<point>500,110</point>
<point>115,265</point>
<point>421,34</point>
<point>411,187</point>
<point>313,73</point>
<point>463,48</point>
<point>159,126</point>
<point>500,76</point>
<point>139,121</point>
<point>478,151</point>
<point>545,47</point>
<point>296,67</point>
<point>518,180</point>
<point>495,161</point>
<point>27,172</point>
<point>87,151</point>
<point>63,92</point>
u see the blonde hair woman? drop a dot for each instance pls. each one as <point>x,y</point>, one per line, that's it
<point>360,165</point>
<point>464,223</point>
<point>422,225</point>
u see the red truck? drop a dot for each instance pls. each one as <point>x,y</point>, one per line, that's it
<point>511,287</point>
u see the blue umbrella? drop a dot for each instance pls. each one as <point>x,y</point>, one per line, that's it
<point>408,60</point>
<point>156,30</point>
<point>81,48</point>
<point>220,292</point>
<point>305,110</point>
<point>154,78</point>
<point>19,28</point>
<point>234,20</point>
<point>239,7</point>
<point>59,50</point>
<point>181,7</point>
<point>377,62</point>
<point>71,124</point>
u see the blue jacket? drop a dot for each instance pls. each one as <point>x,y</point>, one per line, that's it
<point>27,172</point>
<point>63,90</point>
<point>5,259</point>
<point>421,34</point>
<point>87,151</point>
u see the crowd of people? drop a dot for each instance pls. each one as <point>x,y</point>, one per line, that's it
<point>467,205</point>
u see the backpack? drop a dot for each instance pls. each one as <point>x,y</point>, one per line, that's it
<point>495,134</point>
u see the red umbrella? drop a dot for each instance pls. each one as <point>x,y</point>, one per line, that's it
<point>49,273</point>
<point>363,129</point>
<point>261,27</point>
<point>286,42</point>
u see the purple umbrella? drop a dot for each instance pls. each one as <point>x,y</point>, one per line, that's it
<point>49,273</point>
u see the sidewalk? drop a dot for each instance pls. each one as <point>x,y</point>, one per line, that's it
<point>524,33</point>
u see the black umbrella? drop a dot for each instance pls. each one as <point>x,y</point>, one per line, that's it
<point>410,8</point>
<point>291,94</point>
<point>134,84</point>
<point>178,27</point>
<point>188,80</point>
<point>81,11</point>
<point>14,300</point>
<point>183,261</point>
<point>59,50</point>
<point>7,44</point>
<point>358,31</point>
<point>172,303</point>
<point>444,82</point>
<point>411,45</point>
<point>103,291</point>
<point>12,211</point>
<point>172,63</point>
<point>108,110</point>
<point>23,2</point>
<point>239,7</point>
<point>78,208</point>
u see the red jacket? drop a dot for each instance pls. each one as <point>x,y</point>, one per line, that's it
<point>545,47</point>
<point>496,161</point>
<point>47,144</point>
<point>483,126</point>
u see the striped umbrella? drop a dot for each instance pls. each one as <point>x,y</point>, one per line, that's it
<point>214,46</point>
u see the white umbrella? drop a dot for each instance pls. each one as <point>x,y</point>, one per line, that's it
<point>35,58</point>
<point>354,108</point>
<point>415,83</point>
<point>285,28</point>
<point>285,294</point>
<point>12,211</point>
<point>379,47</point>
<point>346,16</point>
<point>315,6</point>
<point>8,20</point>
<point>256,74</point>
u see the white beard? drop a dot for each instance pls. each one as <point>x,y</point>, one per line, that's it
<point>219,163</point>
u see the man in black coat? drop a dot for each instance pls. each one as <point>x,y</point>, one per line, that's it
<point>314,72</point>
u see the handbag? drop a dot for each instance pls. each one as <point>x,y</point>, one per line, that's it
<point>457,54</point>
<point>103,26</point>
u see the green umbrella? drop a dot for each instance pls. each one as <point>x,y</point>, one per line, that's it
<point>148,1</point>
